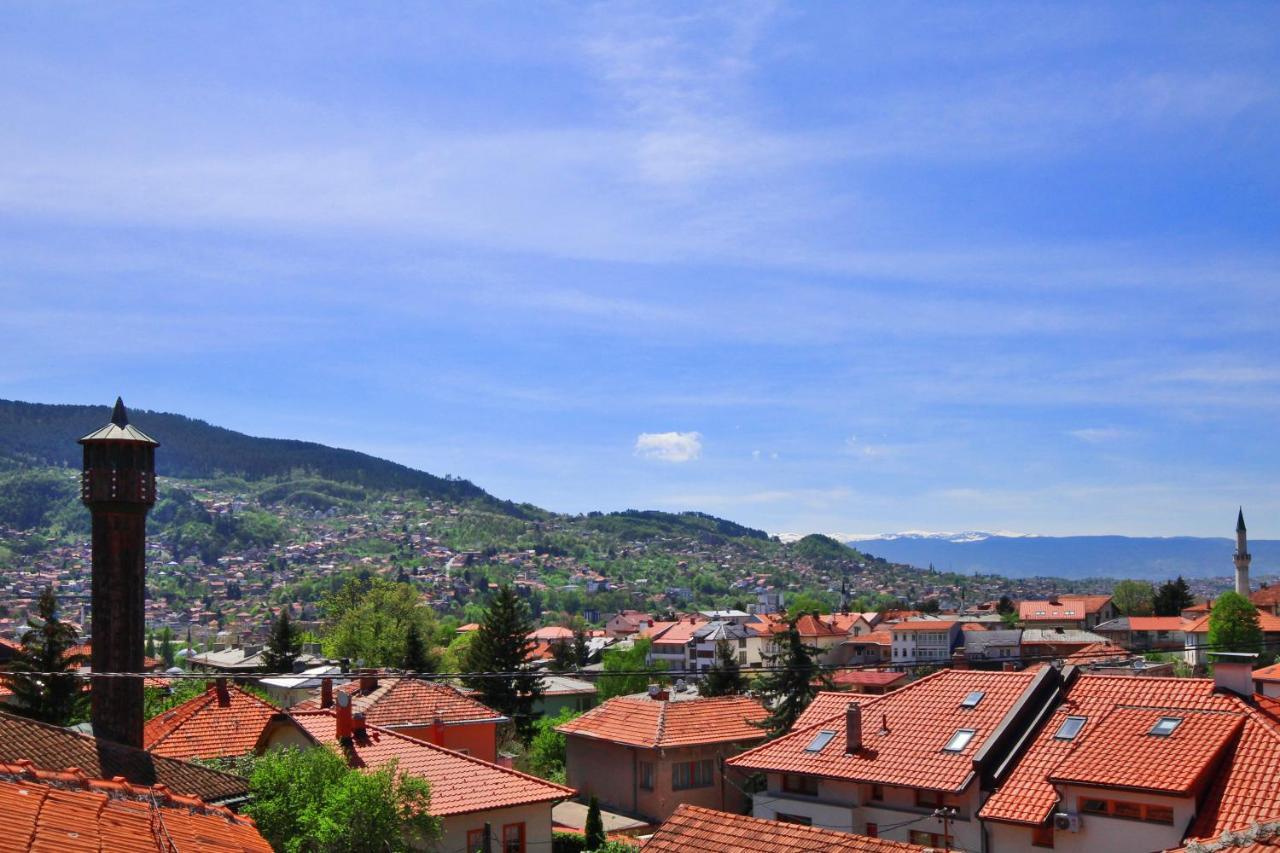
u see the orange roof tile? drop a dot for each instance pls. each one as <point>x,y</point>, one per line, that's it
<point>1156,623</point>
<point>551,632</point>
<point>866,678</point>
<point>808,626</point>
<point>202,727</point>
<point>649,723</point>
<point>923,625</point>
<point>1065,607</point>
<point>921,718</point>
<point>410,702</point>
<point>1097,653</point>
<point>459,783</point>
<point>1027,796</point>
<point>1266,596</point>
<point>1247,788</point>
<point>692,829</point>
<point>879,638</point>
<point>1267,673</point>
<point>70,811</point>
<point>825,705</point>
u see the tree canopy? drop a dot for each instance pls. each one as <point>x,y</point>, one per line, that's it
<point>627,671</point>
<point>1233,625</point>
<point>724,677</point>
<point>58,699</point>
<point>792,682</point>
<point>284,646</point>
<point>1172,598</point>
<point>370,619</point>
<point>501,645</point>
<point>1133,598</point>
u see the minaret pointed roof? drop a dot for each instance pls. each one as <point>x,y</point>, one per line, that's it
<point>120,429</point>
<point>1240,521</point>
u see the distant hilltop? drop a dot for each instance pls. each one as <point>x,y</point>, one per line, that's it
<point>1021,555</point>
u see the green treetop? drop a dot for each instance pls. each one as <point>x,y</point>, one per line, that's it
<point>725,677</point>
<point>792,682</point>
<point>501,645</point>
<point>58,699</point>
<point>1233,625</point>
<point>1173,597</point>
<point>284,646</point>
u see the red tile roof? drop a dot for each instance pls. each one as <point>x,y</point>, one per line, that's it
<point>201,727</point>
<point>1097,653</point>
<point>692,829</point>
<point>1177,763</point>
<point>1247,788</point>
<point>1266,596</point>
<point>866,678</point>
<point>1026,795</point>
<point>1156,623</point>
<point>923,625</point>
<point>808,626</point>
<point>1267,673</point>
<point>920,719</point>
<point>1066,607</point>
<point>459,783</point>
<point>879,638</point>
<point>826,705</point>
<point>551,632</point>
<point>649,723</point>
<point>53,748</point>
<point>69,811</point>
<point>410,702</point>
<point>1268,622</point>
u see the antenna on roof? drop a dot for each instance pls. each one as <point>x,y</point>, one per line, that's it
<point>119,416</point>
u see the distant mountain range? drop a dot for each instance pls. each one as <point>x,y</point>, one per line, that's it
<point>1019,555</point>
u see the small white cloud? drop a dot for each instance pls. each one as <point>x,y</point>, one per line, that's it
<point>669,446</point>
<point>755,456</point>
<point>1097,435</point>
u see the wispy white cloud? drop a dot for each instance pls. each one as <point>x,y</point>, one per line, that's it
<point>1098,435</point>
<point>669,446</point>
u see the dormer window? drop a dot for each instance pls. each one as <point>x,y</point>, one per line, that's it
<point>1165,727</point>
<point>1070,727</point>
<point>820,740</point>
<point>972,700</point>
<point>959,740</point>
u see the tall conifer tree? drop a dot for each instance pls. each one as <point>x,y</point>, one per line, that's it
<point>792,683</point>
<point>724,678</point>
<point>60,698</point>
<point>284,646</point>
<point>501,645</point>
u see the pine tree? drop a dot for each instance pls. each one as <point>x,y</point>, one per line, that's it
<point>284,646</point>
<point>594,830</point>
<point>57,699</point>
<point>789,687</point>
<point>166,647</point>
<point>581,649</point>
<point>151,645</point>
<point>1173,597</point>
<point>501,645</point>
<point>1233,625</point>
<point>725,677</point>
<point>562,657</point>
<point>416,658</point>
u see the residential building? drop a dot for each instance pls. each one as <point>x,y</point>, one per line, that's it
<point>644,757</point>
<point>1145,633</point>
<point>627,623</point>
<point>692,829</point>
<point>562,691</point>
<point>924,641</point>
<point>1196,637</point>
<point>1042,644</point>
<point>1141,764</point>
<point>288,690</point>
<point>426,710</point>
<point>70,810</point>
<point>1267,681</point>
<point>814,631</point>
<point>1081,612</point>
<point>223,722</point>
<point>466,793</point>
<point>746,643</point>
<point>873,648</point>
<point>670,639</point>
<point>995,647</point>
<point>882,765</point>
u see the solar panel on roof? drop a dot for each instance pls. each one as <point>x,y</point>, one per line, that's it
<point>820,740</point>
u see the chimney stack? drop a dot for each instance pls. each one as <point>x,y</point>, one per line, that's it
<point>437,730</point>
<point>326,693</point>
<point>853,728</point>
<point>345,724</point>
<point>118,485</point>
<point>357,726</point>
<point>224,695</point>
<point>1234,671</point>
<point>368,680</point>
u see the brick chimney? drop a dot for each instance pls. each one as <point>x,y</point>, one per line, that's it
<point>345,724</point>
<point>959,660</point>
<point>437,730</point>
<point>358,729</point>
<point>1233,671</point>
<point>368,680</point>
<point>224,695</point>
<point>326,693</point>
<point>853,728</point>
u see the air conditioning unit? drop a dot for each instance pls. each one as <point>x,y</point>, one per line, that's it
<point>1066,822</point>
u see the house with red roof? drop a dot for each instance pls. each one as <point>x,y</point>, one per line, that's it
<point>1081,612</point>
<point>426,710</point>
<point>881,765</point>
<point>223,722</point>
<point>867,680</point>
<point>669,640</point>
<point>626,623</point>
<point>692,829</point>
<point>924,640</point>
<point>1196,647</point>
<point>872,648</point>
<point>1145,633</point>
<point>466,792</point>
<point>644,757</point>
<point>1267,681</point>
<point>1126,763</point>
<point>71,811</point>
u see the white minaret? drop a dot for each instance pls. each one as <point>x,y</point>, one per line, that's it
<point>1242,556</point>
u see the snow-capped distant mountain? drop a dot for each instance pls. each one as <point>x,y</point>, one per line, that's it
<point>962,536</point>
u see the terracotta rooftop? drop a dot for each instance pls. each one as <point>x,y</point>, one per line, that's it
<point>1267,673</point>
<point>807,625</point>
<point>825,705</point>
<point>649,723</point>
<point>70,811</point>
<point>51,748</point>
<point>866,678</point>
<point>1066,607</point>
<point>920,718</point>
<point>1098,653</point>
<point>410,702</point>
<point>923,625</point>
<point>880,638</point>
<point>459,783</point>
<point>205,727</point>
<point>1267,621</point>
<point>1247,786</point>
<point>692,829</point>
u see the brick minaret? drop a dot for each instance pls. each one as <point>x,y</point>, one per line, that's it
<point>119,486</point>
<point>1242,556</point>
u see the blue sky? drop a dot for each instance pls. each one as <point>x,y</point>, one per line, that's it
<point>842,267</point>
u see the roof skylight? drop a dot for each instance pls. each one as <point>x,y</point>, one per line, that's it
<point>1165,727</point>
<point>1070,727</point>
<point>820,740</point>
<point>959,740</point>
<point>972,700</point>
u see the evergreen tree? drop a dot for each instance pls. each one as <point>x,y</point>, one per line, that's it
<point>166,647</point>
<point>725,677</point>
<point>1233,625</point>
<point>562,657</point>
<point>502,645</point>
<point>789,687</point>
<point>416,658</point>
<point>594,830</point>
<point>151,645</point>
<point>57,699</point>
<point>284,646</point>
<point>581,650</point>
<point>1173,597</point>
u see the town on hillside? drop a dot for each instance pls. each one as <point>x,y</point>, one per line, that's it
<point>829,710</point>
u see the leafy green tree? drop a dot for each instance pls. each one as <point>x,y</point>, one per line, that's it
<point>594,830</point>
<point>1173,597</point>
<point>454,658</point>
<point>1133,598</point>
<point>1005,605</point>
<point>370,620</point>
<point>789,686</point>
<point>311,801</point>
<point>725,677</point>
<point>284,646</point>
<point>58,699</point>
<point>545,755</point>
<point>502,646</point>
<point>1233,625</point>
<point>633,672</point>
<point>416,658</point>
<point>805,602</point>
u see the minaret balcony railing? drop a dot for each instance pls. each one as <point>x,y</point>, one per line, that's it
<point>112,484</point>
